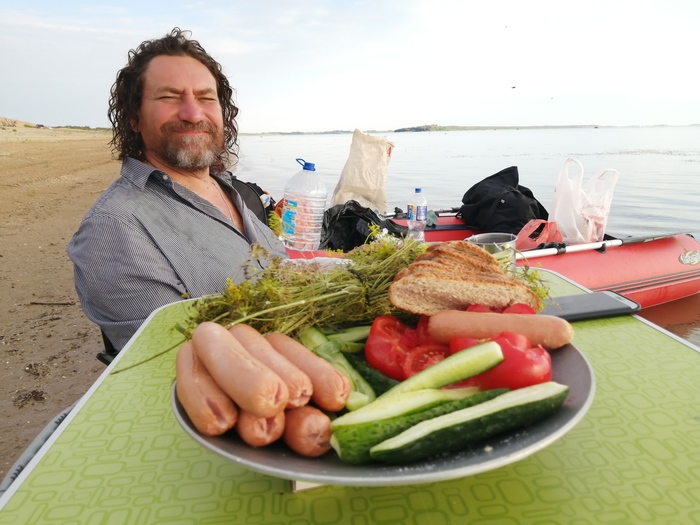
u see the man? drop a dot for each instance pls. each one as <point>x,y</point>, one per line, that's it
<point>175,224</point>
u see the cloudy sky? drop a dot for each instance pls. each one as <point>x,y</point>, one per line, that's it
<point>314,65</point>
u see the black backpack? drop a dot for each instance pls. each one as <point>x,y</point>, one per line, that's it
<point>499,204</point>
<point>252,195</point>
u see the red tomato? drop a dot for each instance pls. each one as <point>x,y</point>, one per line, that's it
<point>409,338</point>
<point>422,357</point>
<point>520,367</point>
<point>422,330</point>
<point>460,343</point>
<point>478,308</point>
<point>385,346</point>
<point>519,308</point>
<point>517,340</point>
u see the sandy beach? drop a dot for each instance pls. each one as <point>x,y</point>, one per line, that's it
<point>49,178</point>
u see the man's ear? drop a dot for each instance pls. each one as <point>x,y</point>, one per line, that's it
<point>134,122</point>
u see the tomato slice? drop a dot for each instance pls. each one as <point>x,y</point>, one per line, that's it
<point>519,308</point>
<point>458,344</point>
<point>423,356</point>
<point>385,347</point>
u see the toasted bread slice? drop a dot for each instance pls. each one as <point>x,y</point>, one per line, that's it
<point>427,292</point>
<point>454,275</point>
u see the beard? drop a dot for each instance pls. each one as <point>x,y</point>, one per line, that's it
<point>190,152</point>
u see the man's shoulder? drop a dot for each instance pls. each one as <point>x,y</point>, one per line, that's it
<point>121,199</point>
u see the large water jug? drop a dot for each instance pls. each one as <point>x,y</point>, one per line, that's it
<point>302,213</point>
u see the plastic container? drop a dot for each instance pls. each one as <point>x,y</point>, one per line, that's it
<point>417,215</point>
<point>304,206</point>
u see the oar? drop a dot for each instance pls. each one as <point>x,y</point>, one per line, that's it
<point>562,248</point>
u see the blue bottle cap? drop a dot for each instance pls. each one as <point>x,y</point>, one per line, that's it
<point>418,190</point>
<point>310,166</point>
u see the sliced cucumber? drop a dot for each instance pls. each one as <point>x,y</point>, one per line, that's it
<point>319,344</point>
<point>458,366</point>
<point>401,404</point>
<point>456,430</point>
<point>378,381</point>
<point>352,442</point>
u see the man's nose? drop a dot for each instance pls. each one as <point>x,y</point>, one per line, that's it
<point>190,110</point>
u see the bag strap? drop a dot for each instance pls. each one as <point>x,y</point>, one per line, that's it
<point>251,197</point>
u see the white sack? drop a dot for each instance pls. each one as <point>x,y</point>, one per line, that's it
<point>364,175</point>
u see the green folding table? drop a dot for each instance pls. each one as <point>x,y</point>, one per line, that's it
<point>121,457</point>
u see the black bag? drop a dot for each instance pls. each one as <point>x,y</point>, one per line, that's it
<point>253,195</point>
<point>346,226</point>
<point>499,204</point>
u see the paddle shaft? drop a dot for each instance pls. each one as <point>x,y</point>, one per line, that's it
<point>545,252</point>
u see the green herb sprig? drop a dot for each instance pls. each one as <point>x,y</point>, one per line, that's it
<point>289,295</point>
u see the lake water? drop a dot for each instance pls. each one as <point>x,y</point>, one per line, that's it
<point>658,189</point>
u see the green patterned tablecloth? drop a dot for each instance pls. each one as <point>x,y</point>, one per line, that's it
<point>122,458</point>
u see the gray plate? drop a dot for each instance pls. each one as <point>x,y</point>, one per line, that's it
<point>570,368</point>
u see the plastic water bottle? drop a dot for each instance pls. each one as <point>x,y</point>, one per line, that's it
<point>304,206</point>
<point>417,215</point>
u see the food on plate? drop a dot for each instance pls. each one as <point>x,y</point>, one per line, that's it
<point>307,431</point>
<point>260,431</point>
<point>421,343</point>
<point>284,297</point>
<point>315,340</point>
<point>250,384</point>
<point>355,433</point>
<point>379,382</point>
<point>391,340</point>
<point>298,383</point>
<point>456,430</point>
<point>453,275</point>
<point>453,368</point>
<point>523,364</point>
<point>331,388</point>
<point>546,330</point>
<point>443,403</point>
<point>211,411</point>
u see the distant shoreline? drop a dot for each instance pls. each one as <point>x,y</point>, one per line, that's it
<point>7,124</point>
<point>435,127</point>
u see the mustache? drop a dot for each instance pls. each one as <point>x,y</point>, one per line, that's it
<point>188,126</point>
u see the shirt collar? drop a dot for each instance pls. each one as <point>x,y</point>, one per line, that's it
<point>138,173</point>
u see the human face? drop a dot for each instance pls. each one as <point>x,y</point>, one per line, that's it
<point>180,118</point>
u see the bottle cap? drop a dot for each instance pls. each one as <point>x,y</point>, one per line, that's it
<point>310,166</point>
<point>418,190</point>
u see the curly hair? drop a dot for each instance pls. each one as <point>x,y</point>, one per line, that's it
<point>127,91</point>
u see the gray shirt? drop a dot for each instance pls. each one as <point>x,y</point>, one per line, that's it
<point>148,242</point>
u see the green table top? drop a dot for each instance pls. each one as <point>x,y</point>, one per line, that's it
<point>122,458</point>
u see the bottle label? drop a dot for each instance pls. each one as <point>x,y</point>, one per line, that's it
<point>417,213</point>
<point>289,217</point>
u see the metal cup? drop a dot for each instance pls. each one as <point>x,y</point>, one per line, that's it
<point>500,245</point>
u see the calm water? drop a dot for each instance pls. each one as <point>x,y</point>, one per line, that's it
<point>657,192</point>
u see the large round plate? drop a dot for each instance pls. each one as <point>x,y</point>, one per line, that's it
<point>570,368</point>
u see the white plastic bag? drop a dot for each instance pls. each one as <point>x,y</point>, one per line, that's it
<point>581,209</point>
<point>364,175</point>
